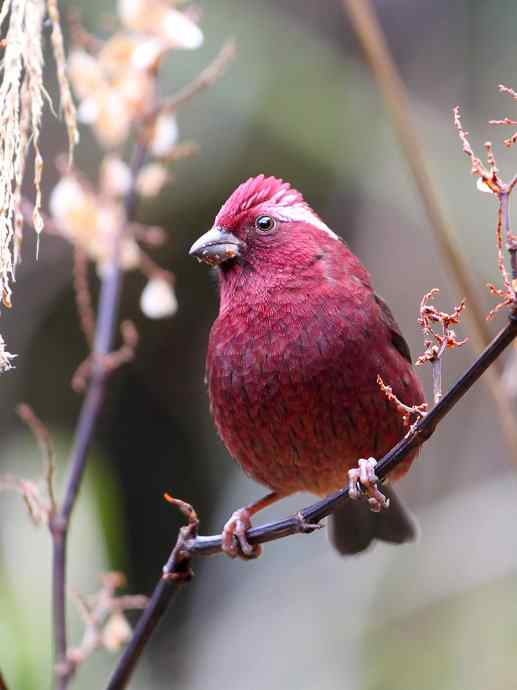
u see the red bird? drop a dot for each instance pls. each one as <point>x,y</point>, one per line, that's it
<point>293,360</point>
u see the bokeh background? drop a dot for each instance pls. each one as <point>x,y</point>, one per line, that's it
<point>299,103</point>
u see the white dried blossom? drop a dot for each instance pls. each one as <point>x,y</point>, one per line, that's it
<point>115,176</point>
<point>90,221</point>
<point>158,18</point>
<point>164,135</point>
<point>115,87</point>
<point>151,179</point>
<point>158,299</point>
<point>116,632</point>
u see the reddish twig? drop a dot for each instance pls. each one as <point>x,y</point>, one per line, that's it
<point>507,120</point>
<point>437,343</point>
<point>407,412</point>
<point>490,178</point>
<point>112,361</point>
<point>42,436</point>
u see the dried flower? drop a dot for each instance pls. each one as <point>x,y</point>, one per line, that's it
<point>115,176</point>
<point>158,18</point>
<point>151,179</point>
<point>158,299</point>
<point>90,221</point>
<point>116,632</point>
<point>164,135</point>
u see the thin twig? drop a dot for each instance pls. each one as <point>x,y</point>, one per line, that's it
<point>204,79</point>
<point>370,35</point>
<point>189,545</point>
<point>42,435</point>
<point>83,297</point>
<point>103,343</point>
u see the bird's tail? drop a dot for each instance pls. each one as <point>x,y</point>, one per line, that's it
<point>353,526</point>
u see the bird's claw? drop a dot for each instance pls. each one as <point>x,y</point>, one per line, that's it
<point>234,540</point>
<point>362,481</point>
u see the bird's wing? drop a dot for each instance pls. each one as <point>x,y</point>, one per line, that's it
<point>396,336</point>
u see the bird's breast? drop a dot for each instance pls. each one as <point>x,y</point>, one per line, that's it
<point>293,389</point>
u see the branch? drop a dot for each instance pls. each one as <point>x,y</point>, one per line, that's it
<point>3,684</point>
<point>103,343</point>
<point>101,362</point>
<point>393,90</point>
<point>189,545</point>
<point>204,79</point>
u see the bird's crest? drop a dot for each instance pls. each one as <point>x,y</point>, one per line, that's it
<point>259,190</point>
<point>273,195</point>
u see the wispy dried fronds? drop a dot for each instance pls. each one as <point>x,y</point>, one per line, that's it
<point>5,357</point>
<point>67,102</point>
<point>22,97</point>
<point>436,343</point>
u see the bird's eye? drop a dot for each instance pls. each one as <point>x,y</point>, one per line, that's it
<point>265,223</point>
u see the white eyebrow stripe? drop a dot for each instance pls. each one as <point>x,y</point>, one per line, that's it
<point>301,212</point>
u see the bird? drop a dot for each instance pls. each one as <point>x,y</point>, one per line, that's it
<point>292,365</point>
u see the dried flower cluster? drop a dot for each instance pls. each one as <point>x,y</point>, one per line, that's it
<point>115,82</point>
<point>22,97</point>
<point>490,181</point>
<point>436,343</point>
<point>105,623</point>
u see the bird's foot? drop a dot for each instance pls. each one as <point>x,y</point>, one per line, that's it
<point>362,481</point>
<point>234,540</point>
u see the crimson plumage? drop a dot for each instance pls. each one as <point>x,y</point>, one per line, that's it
<point>294,355</point>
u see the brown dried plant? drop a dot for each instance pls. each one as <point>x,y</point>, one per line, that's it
<point>22,98</point>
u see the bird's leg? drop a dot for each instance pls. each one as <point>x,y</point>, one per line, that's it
<point>234,540</point>
<point>362,481</point>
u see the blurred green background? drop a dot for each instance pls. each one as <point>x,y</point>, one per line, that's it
<point>298,103</point>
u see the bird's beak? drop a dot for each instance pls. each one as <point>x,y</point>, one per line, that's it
<point>215,246</point>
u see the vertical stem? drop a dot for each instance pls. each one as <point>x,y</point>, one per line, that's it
<point>104,331</point>
<point>511,245</point>
<point>436,366</point>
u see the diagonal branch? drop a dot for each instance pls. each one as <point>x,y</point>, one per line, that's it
<point>393,90</point>
<point>188,546</point>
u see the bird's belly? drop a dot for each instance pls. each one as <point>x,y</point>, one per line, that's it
<point>300,428</point>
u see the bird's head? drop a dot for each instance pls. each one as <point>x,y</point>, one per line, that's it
<point>265,224</point>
